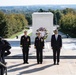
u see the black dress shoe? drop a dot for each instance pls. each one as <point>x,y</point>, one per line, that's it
<point>40,62</point>
<point>37,62</point>
<point>23,62</point>
<point>27,63</point>
<point>57,63</point>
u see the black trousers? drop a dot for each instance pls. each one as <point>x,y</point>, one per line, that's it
<point>25,54</point>
<point>1,71</point>
<point>39,54</point>
<point>56,54</point>
<point>1,67</point>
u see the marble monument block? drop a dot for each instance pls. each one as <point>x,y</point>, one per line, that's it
<point>42,20</point>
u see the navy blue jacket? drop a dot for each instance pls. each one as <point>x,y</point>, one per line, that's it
<point>56,43</point>
<point>25,41</point>
<point>39,43</point>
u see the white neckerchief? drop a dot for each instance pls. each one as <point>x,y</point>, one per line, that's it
<point>56,36</point>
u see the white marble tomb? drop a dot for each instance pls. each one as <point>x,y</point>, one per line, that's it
<point>42,19</point>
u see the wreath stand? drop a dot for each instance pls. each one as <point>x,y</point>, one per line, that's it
<point>46,45</point>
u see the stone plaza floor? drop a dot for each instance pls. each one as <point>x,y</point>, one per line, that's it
<point>66,67</point>
<point>67,64</point>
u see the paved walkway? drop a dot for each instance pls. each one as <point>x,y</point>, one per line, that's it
<point>67,64</point>
<point>28,32</point>
<point>68,49</point>
<point>66,67</point>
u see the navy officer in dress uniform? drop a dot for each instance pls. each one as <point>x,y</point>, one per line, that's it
<point>25,43</point>
<point>39,45</point>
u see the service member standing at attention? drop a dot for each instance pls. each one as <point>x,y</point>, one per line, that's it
<point>39,45</point>
<point>56,44</point>
<point>25,43</point>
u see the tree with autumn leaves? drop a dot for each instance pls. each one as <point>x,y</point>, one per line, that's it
<point>11,24</point>
<point>68,24</point>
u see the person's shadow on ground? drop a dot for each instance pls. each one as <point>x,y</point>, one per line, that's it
<point>19,68</point>
<point>12,66</point>
<point>35,69</point>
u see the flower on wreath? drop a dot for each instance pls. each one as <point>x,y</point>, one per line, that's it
<point>43,32</point>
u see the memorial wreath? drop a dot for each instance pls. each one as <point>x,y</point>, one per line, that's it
<point>43,32</point>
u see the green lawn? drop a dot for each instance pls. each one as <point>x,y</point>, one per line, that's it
<point>30,34</point>
<point>16,34</point>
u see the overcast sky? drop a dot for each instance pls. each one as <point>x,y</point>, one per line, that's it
<point>35,2</point>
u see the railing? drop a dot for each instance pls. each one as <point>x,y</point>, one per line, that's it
<point>4,66</point>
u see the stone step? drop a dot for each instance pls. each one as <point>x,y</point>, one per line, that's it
<point>44,57</point>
